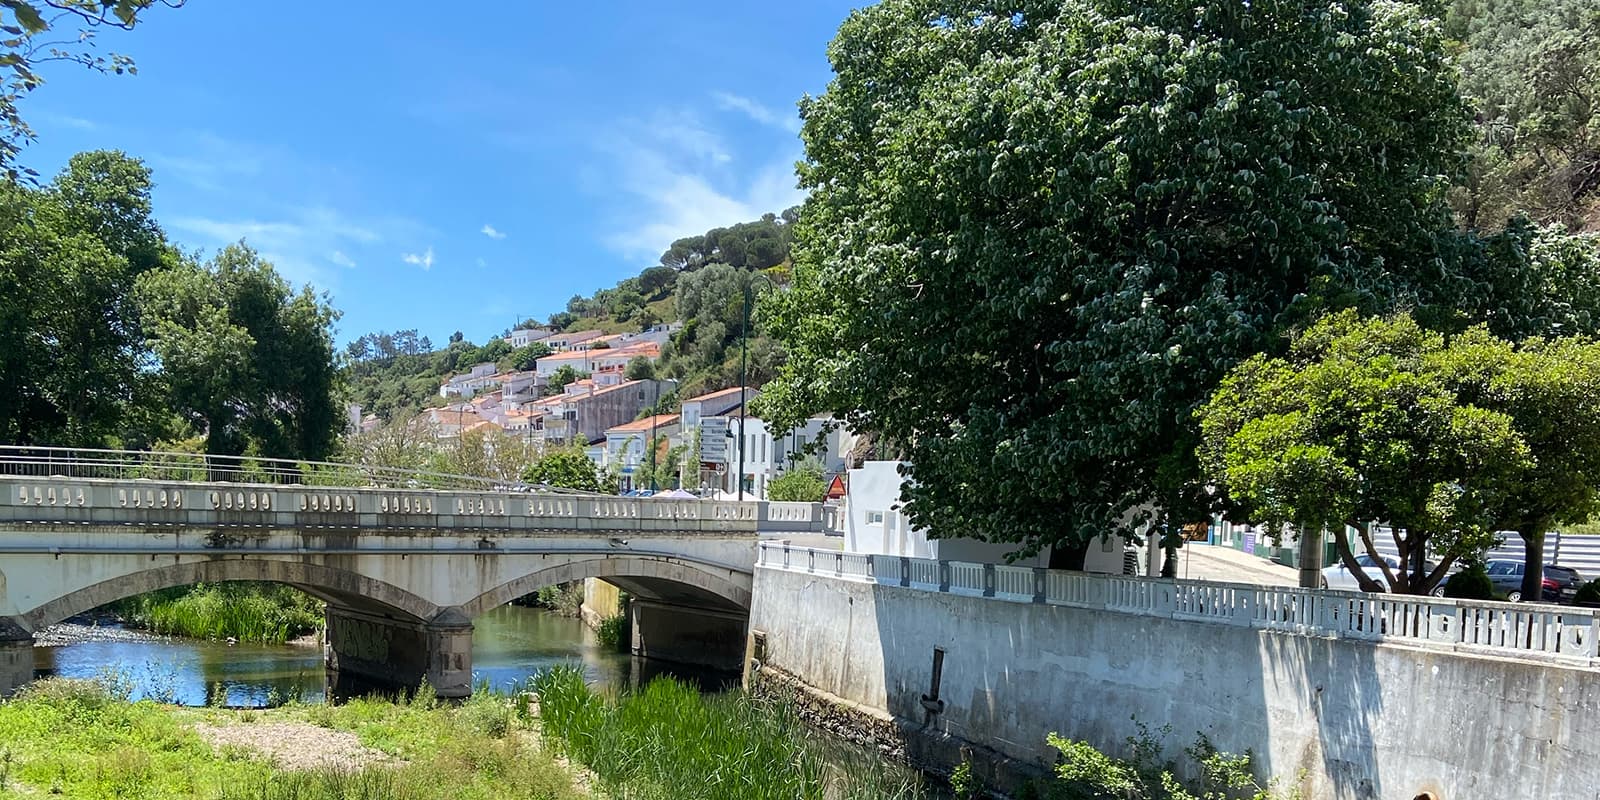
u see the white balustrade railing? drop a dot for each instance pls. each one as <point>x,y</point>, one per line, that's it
<point>1563,633</point>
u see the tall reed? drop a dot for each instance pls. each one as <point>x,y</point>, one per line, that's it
<point>669,741</point>
<point>248,612</point>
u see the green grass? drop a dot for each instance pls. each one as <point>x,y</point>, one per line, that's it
<point>264,613</point>
<point>669,741</point>
<point>79,739</point>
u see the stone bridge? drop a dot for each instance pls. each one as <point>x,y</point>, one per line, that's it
<point>403,571</point>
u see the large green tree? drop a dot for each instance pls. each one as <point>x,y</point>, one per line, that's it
<point>1361,423</point>
<point>1039,232</point>
<point>1448,439</point>
<point>245,358</point>
<point>70,252</point>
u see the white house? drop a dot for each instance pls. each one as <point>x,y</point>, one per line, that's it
<point>875,524</point>
<point>469,383</point>
<point>522,337</point>
<point>626,446</point>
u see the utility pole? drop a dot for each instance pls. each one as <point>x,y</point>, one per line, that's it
<point>652,441</point>
<point>744,371</point>
<point>744,375</point>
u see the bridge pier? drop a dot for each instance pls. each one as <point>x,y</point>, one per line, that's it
<point>401,653</point>
<point>694,636</point>
<point>16,656</point>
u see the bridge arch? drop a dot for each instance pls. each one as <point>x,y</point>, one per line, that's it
<point>328,583</point>
<point>712,582</point>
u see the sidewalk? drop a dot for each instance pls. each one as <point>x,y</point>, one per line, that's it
<point>1201,561</point>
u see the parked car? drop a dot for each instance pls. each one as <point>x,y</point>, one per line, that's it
<point>1560,584</point>
<point>1338,577</point>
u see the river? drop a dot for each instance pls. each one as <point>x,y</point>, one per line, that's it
<point>508,645</point>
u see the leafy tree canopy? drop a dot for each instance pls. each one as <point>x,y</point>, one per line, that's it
<point>244,357</point>
<point>1448,440</point>
<point>569,469</point>
<point>1099,208</point>
<point>803,484</point>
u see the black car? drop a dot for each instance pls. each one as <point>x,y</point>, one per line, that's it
<point>1559,584</point>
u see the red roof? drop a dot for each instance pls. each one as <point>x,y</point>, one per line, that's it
<point>644,425</point>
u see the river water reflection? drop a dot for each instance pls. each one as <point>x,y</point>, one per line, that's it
<point>508,645</point>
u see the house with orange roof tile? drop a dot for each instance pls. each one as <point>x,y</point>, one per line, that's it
<point>627,445</point>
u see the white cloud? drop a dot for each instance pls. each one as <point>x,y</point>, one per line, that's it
<point>210,162</point>
<point>684,132</point>
<point>425,260</point>
<point>671,203</point>
<point>727,101</point>
<point>64,120</point>
<point>489,231</point>
<point>299,244</point>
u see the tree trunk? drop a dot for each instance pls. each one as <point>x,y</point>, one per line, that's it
<point>1533,559</point>
<point>1310,556</point>
<point>1063,556</point>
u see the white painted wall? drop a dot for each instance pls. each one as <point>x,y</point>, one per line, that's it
<point>1366,721</point>
<point>873,524</point>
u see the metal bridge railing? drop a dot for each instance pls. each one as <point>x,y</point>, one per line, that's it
<point>78,462</point>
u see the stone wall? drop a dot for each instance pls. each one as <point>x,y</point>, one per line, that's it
<point>1346,719</point>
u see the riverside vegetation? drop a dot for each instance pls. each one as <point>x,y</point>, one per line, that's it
<point>554,739</point>
<point>264,613</point>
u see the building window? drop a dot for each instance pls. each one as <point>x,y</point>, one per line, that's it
<point>874,517</point>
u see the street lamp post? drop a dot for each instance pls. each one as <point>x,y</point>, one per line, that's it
<point>744,371</point>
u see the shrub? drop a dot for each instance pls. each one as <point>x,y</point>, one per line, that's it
<point>1084,773</point>
<point>1471,583</point>
<point>1588,594</point>
<point>613,632</point>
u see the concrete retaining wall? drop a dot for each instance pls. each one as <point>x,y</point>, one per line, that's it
<point>1358,720</point>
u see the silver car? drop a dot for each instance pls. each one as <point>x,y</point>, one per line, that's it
<point>1338,577</point>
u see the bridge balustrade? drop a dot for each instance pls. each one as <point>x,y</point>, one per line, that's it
<point>112,501</point>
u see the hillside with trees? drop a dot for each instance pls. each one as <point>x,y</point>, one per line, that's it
<point>701,282</point>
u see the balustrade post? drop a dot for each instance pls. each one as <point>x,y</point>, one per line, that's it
<point>785,555</point>
<point>905,571</point>
<point>1040,584</point>
<point>838,563</point>
<point>944,576</point>
<point>811,560</point>
<point>988,580</point>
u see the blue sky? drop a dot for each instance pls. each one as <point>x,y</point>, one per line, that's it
<point>439,167</point>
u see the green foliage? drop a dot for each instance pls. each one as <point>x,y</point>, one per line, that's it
<point>70,253</point>
<point>640,368</point>
<point>1471,583</point>
<point>669,741</point>
<point>565,374</point>
<point>1588,594</point>
<point>244,357</point>
<point>803,483</point>
<point>1099,211</point>
<point>569,468</point>
<point>1529,67</point>
<point>613,633</point>
<point>525,357</point>
<point>565,599</point>
<point>81,739</point>
<point>249,612</point>
<point>1084,773</point>
<point>1361,421</point>
<point>963,784</point>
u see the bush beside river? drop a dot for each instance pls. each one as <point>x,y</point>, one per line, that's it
<point>263,613</point>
